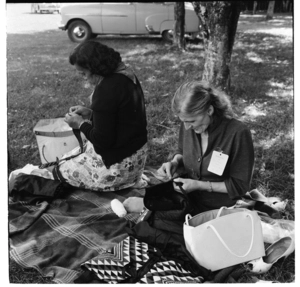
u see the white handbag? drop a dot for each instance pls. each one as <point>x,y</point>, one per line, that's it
<point>224,237</point>
<point>54,138</point>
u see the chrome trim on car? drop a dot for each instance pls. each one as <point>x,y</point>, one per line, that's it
<point>114,15</point>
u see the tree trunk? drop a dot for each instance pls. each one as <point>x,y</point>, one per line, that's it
<point>291,6</point>
<point>285,5</point>
<point>254,7</point>
<point>178,35</point>
<point>270,11</point>
<point>219,23</point>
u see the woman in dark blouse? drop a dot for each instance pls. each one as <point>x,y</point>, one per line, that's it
<point>215,150</point>
<point>114,125</point>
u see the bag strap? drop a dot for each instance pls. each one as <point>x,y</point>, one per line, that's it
<point>56,163</point>
<point>78,136</point>
<point>187,218</point>
<point>225,245</point>
<point>220,211</point>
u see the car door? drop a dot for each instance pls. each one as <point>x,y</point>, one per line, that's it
<point>143,10</point>
<point>92,14</point>
<point>118,18</point>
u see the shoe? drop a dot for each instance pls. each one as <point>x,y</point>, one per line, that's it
<point>267,210</point>
<point>275,202</point>
<point>281,248</point>
<point>254,194</point>
<point>240,203</point>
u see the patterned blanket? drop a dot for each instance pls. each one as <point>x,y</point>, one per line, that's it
<point>55,236</point>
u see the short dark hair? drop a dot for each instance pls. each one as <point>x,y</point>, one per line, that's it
<point>98,58</point>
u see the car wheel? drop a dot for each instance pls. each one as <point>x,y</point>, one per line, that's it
<point>79,31</point>
<point>167,35</point>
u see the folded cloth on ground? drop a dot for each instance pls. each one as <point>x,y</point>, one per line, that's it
<point>171,244</point>
<point>26,186</point>
<point>132,261</point>
<point>28,169</point>
<point>56,235</point>
<point>55,232</point>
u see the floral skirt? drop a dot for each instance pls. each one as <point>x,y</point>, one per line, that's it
<point>88,170</point>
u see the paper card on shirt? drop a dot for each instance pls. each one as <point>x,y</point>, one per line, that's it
<point>217,162</point>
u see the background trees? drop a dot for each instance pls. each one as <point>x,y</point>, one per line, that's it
<point>219,22</point>
<point>280,6</point>
<point>218,27</point>
<point>270,11</point>
<point>179,15</point>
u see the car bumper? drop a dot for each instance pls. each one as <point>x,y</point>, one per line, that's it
<point>62,26</point>
<point>49,9</point>
<point>150,29</point>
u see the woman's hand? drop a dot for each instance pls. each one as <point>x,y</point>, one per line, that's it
<point>168,168</point>
<point>73,120</point>
<point>82,111</point>
<point>134,204</point>
<point>188,185</point>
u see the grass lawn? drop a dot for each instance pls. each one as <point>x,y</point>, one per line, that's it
<point>42,84</point>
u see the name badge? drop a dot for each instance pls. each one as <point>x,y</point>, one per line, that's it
<point>217,162</point>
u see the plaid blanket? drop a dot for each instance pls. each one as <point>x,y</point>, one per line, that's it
<point>55,236</point>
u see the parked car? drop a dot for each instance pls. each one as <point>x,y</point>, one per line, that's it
<point>45,7</point>
<point>84,21</point>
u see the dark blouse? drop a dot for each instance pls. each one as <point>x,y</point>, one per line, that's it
<point>119,119</point>
<point>234,139</point>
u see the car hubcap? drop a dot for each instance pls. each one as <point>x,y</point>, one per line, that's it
<point>170,34</point>
<point>79,32</point>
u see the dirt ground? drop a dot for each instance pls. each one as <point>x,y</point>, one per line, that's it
<point>19,19</point>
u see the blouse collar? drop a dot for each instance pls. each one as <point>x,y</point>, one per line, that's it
<point>127,71</point>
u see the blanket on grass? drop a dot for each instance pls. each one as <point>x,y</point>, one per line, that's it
<point>56,235</point>
<point>56,229</point>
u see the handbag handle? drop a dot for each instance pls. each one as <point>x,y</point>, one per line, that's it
<point>48,164</point>
<point>187,218</point>
<point>43,148</point>
<point>225,245</point>
<point>221,209</point>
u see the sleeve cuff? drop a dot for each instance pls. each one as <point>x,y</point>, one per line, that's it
<point>85,121</point>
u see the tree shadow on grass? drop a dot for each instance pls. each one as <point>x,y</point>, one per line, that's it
<point>262,69</point>
<point>262,93</point>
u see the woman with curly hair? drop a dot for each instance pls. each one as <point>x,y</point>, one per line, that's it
<point>214,149</point>
<point>114,125</point>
